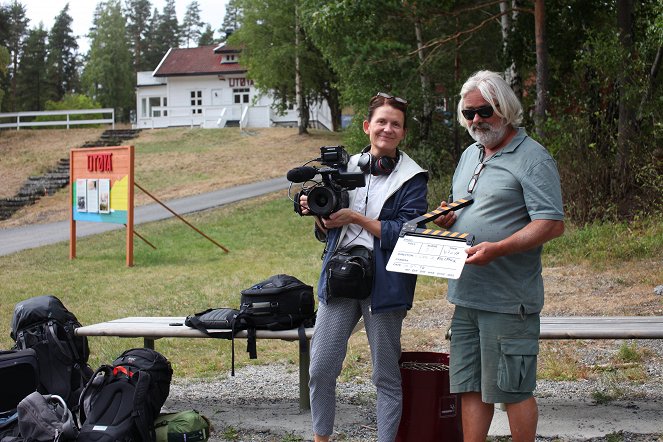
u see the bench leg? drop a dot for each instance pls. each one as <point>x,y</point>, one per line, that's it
<point>304,362</point>
<point>148,343</point>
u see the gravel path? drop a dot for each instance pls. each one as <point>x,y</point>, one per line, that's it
<point>611,401</point>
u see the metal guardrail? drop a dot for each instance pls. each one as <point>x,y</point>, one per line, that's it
<point>66,122</point>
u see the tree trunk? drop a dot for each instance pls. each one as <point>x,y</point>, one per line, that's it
<point>541,67</point>
<point>507,21</point>
<point>626,125</point>
<point>301,124</point>
<point>426,120</point>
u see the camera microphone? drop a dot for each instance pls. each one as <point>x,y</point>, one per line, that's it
<point>302,174</point>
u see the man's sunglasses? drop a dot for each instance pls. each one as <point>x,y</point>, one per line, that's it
<point>483,111</point>
<point>392,97</point>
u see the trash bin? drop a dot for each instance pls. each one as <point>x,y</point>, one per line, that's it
<point>430,412</point>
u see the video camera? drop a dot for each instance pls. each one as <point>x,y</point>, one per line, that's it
<point>331,193</point>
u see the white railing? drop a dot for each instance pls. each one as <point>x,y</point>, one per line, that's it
<point>65,122</point>
<point>243,118</point>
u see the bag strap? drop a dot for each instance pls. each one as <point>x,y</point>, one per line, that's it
<point>251,343</point>
<point>198,325</point>
<point>54,338</point>
<point>144,424</point>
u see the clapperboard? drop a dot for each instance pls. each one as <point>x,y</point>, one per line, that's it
<point>431,252</point>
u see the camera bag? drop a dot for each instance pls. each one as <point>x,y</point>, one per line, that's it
<point>218,319</point>
<point>19,376</point>
<point>281,302</point>
<point>349,273</point>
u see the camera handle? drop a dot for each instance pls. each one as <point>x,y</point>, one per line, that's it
<point>417,226</point>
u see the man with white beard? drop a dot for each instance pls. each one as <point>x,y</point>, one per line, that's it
<point>498,297</point>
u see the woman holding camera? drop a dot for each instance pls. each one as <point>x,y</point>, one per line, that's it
<point>395,192</point>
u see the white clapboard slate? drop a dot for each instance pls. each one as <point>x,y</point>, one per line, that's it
<point>439,253</point>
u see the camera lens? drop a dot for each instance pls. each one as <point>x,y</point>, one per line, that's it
<point>321,201</point>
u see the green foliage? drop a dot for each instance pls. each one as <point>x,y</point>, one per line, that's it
<point>628,352</point>
<point>70,102</point>
<point>267,34</point>
<point>31,84</point>
<point>62,61</point>
<point>108,75</point>
<point>190,30</point>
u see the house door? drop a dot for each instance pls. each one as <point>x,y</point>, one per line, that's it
<point>216,97</point>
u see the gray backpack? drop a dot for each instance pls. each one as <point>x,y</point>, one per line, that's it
<point>45,417</point>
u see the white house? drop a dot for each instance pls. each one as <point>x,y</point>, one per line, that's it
<point>208,87</point>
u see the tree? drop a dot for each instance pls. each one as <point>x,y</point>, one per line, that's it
<point>207,36</point>
<point>108,76</point>
<point>155,48</point>
<point>31,84</point>
<point>190,31</point>
<point>4,62</point>
<point>267,34</point>
<point>138,20</point>
<point>232,18</point>
<point>16,34</point>
<point>62,60</point>
<point>167,33</point>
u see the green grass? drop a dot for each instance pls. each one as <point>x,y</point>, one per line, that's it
<point>605,244</point>
<point>187,274</point>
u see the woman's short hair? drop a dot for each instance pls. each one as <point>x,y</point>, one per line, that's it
<point>496,91</point>
<point>381,99</point>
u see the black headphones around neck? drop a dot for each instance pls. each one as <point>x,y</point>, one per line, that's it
<point>377,166</point>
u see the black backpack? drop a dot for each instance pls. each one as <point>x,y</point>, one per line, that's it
<point>281,302</point>
<point>121,401</point>
<point>44,324</point>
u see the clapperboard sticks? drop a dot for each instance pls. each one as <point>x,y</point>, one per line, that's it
<point>417,225</point>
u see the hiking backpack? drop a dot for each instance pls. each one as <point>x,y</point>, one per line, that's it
<point>281,302</point>
<point>121,401</point>
<point>44,324</point>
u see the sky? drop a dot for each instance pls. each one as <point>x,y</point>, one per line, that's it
<point>81,11</point>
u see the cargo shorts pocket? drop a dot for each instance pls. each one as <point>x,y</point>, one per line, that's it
<point>516,370</point>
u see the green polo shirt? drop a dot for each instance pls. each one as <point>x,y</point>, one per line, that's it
<point>518,184</point>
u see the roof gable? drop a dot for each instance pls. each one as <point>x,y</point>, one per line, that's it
<point>203,60</point>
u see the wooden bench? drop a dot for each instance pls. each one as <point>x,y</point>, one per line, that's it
<point>552,327</point>
<point>601,327</point>
<point>155,327</point>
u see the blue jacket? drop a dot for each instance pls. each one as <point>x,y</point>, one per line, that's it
<point>406,200</point>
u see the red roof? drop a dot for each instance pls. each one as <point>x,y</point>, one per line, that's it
<point>203,60</point>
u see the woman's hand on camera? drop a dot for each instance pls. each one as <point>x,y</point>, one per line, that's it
<point>339,218</point>
<point>303,204</point>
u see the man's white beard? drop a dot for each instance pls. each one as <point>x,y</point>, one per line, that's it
<point>486,135</point>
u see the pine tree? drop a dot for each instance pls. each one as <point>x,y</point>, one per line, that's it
<point>16,34</point>
<point>108,76</point>
<point>191,24</point>
<point>167,33</point>
<point>62,61</point>
<point>207,36</point>
<point>138,20</point>
<point>31,79</point>
<point>232,19</point>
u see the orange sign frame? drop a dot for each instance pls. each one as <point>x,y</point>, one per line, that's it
<point>102,190</point>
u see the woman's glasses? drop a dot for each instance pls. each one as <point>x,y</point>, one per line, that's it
<point>391,97</point>
<point>483,111</point>
<point>475,177</point>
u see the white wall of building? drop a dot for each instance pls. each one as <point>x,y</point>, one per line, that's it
<point>210,101</point>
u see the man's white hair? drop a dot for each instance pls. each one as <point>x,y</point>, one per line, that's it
<point>496,91</point>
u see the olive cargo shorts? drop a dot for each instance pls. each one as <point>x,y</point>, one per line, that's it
<point>494,353</point>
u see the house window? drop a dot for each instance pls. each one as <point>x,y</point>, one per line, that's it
<point>196,102</point>
<point>241,95</point>
<point>229,59</point>
<point>148,105</point>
